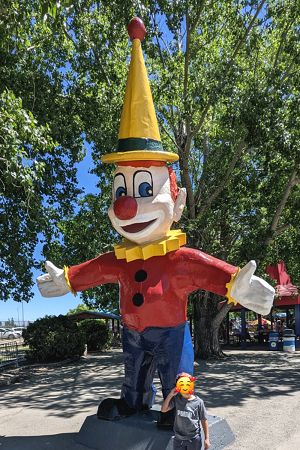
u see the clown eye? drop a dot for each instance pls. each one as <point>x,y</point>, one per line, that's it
<point>120,192</point>
<point>142,183</point>
<point>119,188</point>
<point>145,190</point>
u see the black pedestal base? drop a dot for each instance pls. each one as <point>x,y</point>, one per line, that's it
<point>140,432</point>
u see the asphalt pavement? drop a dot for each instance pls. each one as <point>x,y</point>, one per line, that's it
<point>257,392</point>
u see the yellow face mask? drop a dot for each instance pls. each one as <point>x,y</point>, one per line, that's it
<point>185,385</point>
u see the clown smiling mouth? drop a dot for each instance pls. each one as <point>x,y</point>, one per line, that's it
<point>136,227</point>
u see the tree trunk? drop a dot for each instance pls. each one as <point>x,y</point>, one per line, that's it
<point>207,319</point>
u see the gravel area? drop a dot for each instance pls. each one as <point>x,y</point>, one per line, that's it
<point>257,392</point>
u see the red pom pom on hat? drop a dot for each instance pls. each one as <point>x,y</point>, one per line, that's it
<point>136,29</point>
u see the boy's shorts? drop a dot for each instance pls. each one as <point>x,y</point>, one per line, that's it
<point>187,444</point>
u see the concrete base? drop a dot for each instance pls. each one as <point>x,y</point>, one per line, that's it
<point>139,432</point>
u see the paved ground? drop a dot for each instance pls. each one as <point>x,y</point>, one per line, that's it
<point>257,392</point>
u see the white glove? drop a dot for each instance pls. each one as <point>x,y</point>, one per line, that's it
<point>252,292</point>
<point>53,283</point>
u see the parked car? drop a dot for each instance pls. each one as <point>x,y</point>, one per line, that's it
<point>9,334</point>
<point>19,329</point>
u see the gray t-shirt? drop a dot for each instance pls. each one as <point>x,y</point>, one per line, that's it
<point>188,415</point>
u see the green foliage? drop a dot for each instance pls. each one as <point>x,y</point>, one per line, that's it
<point>10,323</point>
<point>225,82</point>
<point>96,332</point>
<point>81,307</point>
<point>39,144</point>
<point>54,338</point>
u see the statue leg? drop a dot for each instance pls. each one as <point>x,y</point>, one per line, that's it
<point>174,355</point>
<point>140,366</point>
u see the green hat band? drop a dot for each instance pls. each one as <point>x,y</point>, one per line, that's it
<point>132,144</point>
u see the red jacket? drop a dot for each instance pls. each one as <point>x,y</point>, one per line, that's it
<point>153,293</point>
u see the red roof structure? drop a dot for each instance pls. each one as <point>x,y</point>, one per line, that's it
<point>288,293</point>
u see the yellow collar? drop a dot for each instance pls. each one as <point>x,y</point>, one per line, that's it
<point>130,251</point>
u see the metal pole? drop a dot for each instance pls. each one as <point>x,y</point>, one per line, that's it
<point>227,328</point>
<point>23,324</point>
<point>17,355</point>
<point>243,317</point>
<point>297,326</point>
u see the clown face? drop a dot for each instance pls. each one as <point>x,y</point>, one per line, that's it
<point>142,208</point>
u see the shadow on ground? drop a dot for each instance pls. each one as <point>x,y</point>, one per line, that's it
<point>68,390</point>
<point>247,375</point>
<point>77,387</point>
<point>65,441</point>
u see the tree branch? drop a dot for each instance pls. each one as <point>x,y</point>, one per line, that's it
<point>199,125</point>
<point>286,73</point>
<point>205,158</point>
<point>95,51</point>
<point>220,314</point>
<point>293,181</point>
<point>185,173</point>
<point>283,38</point>
<point>187,53</point>
<point>158,44</point>
<point>209,200</point>
<point>197,16</point>
<point>281,229</point>
<point>237,49</point>
<point>172,139</point>
<point>247,32</point>
<point>67,34</point>
<point>167,47</point>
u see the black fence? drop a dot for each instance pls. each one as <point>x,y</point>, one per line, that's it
<point>12,353</point>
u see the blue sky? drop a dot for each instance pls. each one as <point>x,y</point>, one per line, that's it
<point>40,306</point>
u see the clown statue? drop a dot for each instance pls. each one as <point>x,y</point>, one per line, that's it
<point>153,268</point>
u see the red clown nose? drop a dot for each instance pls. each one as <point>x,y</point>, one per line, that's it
<point>125,207</point>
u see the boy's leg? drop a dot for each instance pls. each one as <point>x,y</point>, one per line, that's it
<point>178,444</point>
<point>194,444</point>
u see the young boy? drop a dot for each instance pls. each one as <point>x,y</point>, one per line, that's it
<point>190,411</point>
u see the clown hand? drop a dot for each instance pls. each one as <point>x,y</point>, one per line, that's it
<point>252,292</point>
<point>53,283</point>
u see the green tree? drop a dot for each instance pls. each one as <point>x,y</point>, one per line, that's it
<point>54,338</point>
<point>81,307</point>
<point>225,83</point>
<point>10,323</point>
<point>96,332</point>
<point>40,143</point>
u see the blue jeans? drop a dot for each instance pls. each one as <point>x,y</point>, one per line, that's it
<point>188,444</point>
<point>167,349</point>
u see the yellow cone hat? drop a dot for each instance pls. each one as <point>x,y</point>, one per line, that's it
<point>139,137</point>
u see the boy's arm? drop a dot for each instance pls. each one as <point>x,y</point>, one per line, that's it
<point>204,424</point>
<point>165,406</point>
